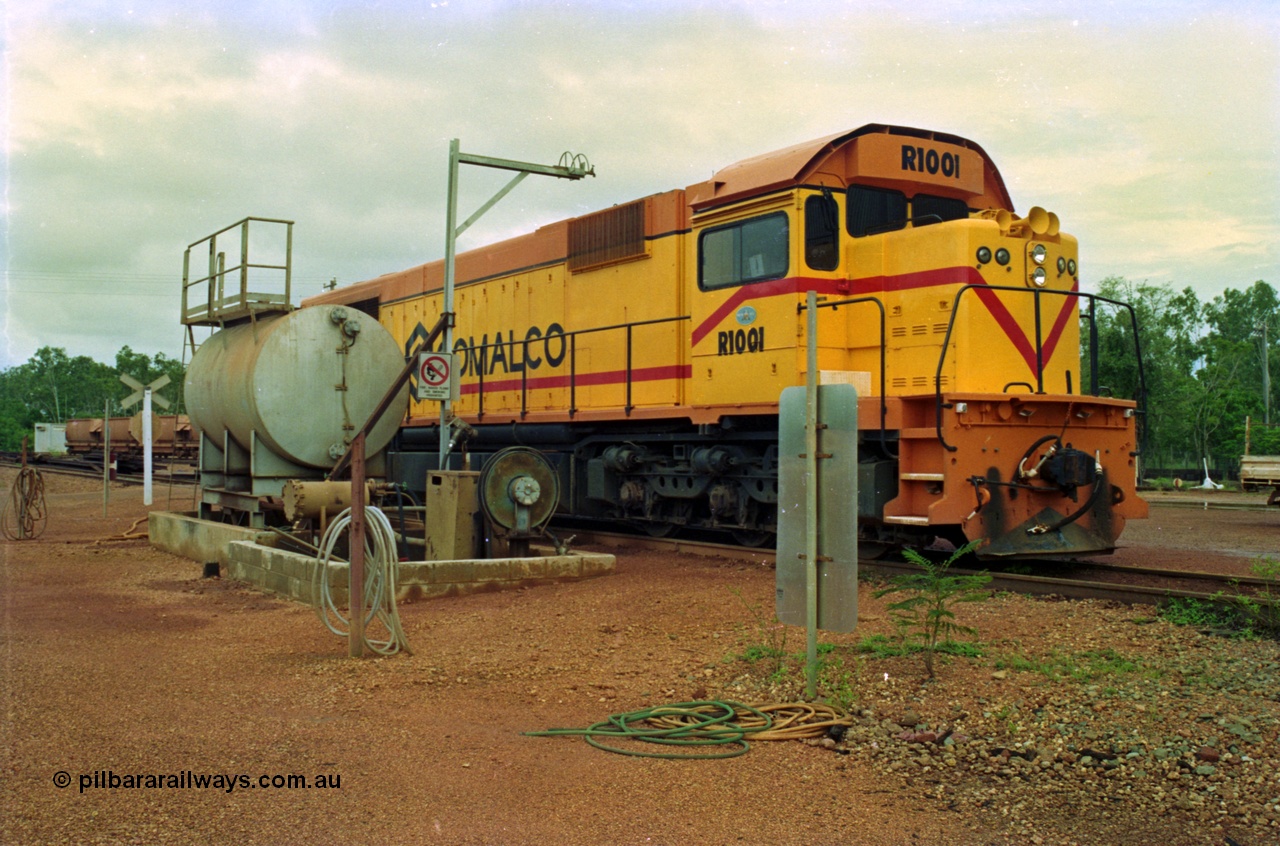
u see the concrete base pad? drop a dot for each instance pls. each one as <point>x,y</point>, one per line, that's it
<point>184,534</point>
<point>249,555</point>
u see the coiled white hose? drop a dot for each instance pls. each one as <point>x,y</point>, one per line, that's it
<point>379,582</point>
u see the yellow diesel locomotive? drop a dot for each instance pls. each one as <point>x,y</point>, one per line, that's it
<point>643,349</point>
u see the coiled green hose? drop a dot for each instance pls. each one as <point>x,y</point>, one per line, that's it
<point>705,723</point>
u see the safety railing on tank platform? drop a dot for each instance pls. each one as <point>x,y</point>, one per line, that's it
<point>1038,340</point>
<point>218,306</point>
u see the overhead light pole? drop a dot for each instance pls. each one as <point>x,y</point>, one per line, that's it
<point>570,167</point>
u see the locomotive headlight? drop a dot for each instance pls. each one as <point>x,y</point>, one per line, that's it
<point>984,255</point>
<point>1038,277</point>
<point>1039,254</point>
<point>1062,264</point>
<point>1002,256</point>
<point>1071,266</point>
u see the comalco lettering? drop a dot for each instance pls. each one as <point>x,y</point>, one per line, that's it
<point>508,354</point>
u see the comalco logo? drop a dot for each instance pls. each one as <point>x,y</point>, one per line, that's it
<point>507,353</point>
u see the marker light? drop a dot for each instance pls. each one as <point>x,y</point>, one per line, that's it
<point>984,255</point>
<point>1062,264</point>
<point>1071,266</point>
<point>1002,256</point>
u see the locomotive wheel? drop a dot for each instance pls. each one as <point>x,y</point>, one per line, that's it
<point>655,529</point>
<point>752,538</point>
<point>872,550</point>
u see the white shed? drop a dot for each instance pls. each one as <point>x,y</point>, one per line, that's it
<point>51,438</point>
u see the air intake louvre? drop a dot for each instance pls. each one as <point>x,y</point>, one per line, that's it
<point>611,235</point>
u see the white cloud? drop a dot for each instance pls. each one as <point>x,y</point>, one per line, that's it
<point>1152,129</point>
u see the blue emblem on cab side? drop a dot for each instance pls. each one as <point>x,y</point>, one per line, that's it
<point>746,315</point>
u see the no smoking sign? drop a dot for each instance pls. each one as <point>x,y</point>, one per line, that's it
<point>435,376</point>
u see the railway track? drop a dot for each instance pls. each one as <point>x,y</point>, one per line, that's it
<point>71,467</point>
<point>1084,579</point>
<point>1209,505</point>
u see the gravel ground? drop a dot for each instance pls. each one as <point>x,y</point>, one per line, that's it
<point>1075,722</point>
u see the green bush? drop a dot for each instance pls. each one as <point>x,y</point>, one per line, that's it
<point>925,618</point>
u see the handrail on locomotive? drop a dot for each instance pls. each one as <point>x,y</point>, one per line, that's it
<point>884,404</point>
<point>572,335</point>
<point>1141,398</point>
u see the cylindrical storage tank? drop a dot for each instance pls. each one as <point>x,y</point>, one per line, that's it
<point>304,382</point>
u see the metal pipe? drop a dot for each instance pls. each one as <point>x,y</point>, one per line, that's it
<point>1093,348</point>
<point>573,374</point>
<point>106,455</point>
<point>629,406</point>
<point>355,580</point>
<point>524,379</point>
<point>446,315</point>
<point>811,503</point>
<point>146,445</point>
<point>1039,344</point>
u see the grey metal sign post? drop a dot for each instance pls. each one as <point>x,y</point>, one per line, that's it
<point>817,569</point>
<point>570,167</point>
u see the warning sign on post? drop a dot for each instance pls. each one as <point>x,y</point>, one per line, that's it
<point>435,376</point>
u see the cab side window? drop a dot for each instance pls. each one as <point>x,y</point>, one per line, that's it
<point>927,209</point>
<point>874,210</point>
<point>750,250</point>
<point>821,233</point>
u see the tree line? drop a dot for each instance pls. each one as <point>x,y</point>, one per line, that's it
<point>53,387</point>
<point>1205,365</point>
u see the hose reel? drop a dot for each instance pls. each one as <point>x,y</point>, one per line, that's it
<point>519,491</point>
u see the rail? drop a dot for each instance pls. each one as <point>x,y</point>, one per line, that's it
<point>1037,293</point>
<point>217,307</point>
<point>1224,590</point>
<point>572,342</point>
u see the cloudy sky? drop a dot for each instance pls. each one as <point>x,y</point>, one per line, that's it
<point>1152,127</point>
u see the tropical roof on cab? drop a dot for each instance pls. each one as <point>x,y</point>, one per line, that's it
<point>833,162</point>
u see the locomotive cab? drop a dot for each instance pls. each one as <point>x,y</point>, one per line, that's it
<point>960,324</point>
